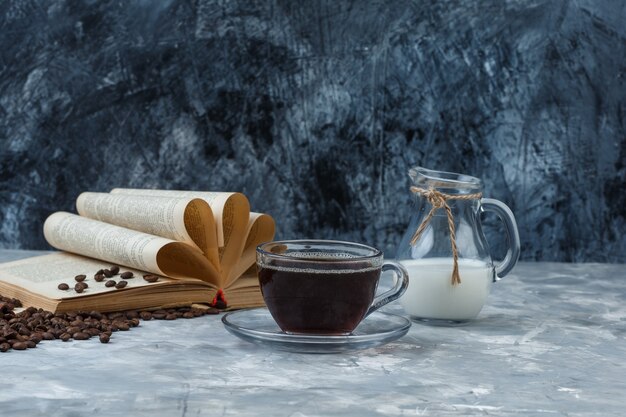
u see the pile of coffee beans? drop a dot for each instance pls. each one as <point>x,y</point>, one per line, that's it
<point>25,329</point>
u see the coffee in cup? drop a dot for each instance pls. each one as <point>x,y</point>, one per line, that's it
<point>322,286</point>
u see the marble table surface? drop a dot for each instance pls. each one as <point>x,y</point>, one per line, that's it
<point>549,342</point>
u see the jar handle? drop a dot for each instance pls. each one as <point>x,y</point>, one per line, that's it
<point>510,225</point>
<point>401,279</point>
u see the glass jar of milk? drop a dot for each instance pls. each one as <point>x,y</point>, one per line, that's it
<point>444,249</point>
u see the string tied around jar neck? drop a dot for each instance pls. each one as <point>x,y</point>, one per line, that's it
<point>438,200</point>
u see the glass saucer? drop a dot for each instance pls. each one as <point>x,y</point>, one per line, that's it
<point>258,326</point>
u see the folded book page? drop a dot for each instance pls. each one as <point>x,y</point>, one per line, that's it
<point>231,212</point>
<point>182,219</point>
<point>122,246</point>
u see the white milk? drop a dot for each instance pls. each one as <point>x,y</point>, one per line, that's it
<point>431,295</point>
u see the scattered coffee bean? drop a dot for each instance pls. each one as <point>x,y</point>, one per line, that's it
<point>121,285</point>
<point>47,336</point>
<point>104,338</point>
<point>63,286</point>
<point>65,337</point>
<point>145,315</point>
<point>110,283</point>
<point>126,275</point>
<point>79,288</point>
<point>19,346</point>
<point>95,315</point>
<point>98,277</point>
<point>159,314</point>
<point>92,331</point>
<point>115,269</point>
<point>80,278</point>
<point>123,326</point>
<point>107,273</point>
<point>151,278</point>
<point>4,347</point>
<point>81,336</point>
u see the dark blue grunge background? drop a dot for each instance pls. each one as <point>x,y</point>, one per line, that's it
<point>317,109</point>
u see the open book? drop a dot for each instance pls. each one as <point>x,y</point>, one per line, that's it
<point>196,242</point>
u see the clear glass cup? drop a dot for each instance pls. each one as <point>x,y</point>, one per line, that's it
<point>324,286</point>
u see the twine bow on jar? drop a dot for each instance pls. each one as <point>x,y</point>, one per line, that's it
<point>438,200</point>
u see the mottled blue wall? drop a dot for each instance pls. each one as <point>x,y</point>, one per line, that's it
<point>316,110</point>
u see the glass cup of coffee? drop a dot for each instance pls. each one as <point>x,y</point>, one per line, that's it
<point>324,287</point>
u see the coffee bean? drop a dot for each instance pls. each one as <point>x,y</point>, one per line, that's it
<point>145,315</point>
<point>170,316</point>
<point>73,329</point>
<point>92,331</point>
<point>65,337</point>
<point>107,273</point>
<point>104,338</point>
<point>188,315</point>
<point>110,283</point>
<point>132,314</point>
<point>63,286</point>
<point>96,315</point>
<point>4,347</point>
<point>151,278</point>
<point>78,323</point>
<point>158,315</point>
<point>47,336</point>
<point>100,271</point>
<point>29,344</point>
<point>121,285</point>
<point>81,336</point>
<point>126,275</point>
<point>20,346</point>
<point>98,277</point>
<point>122,326</point>
<point>79,287</point>
<point>115,269</point>
<point>80,278</point>
<point>24,331</point>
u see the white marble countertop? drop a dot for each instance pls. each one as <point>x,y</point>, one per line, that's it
<point>549,342</point>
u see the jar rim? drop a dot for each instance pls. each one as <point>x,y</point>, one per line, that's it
<point>443,179</point>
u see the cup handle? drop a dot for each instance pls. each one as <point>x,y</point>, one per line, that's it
<point>401,277</point>
<point>510,225</point>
